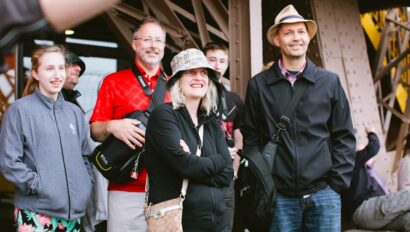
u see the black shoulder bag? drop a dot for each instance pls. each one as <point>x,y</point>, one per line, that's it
<point>255,188</point>
<point>113,158</point>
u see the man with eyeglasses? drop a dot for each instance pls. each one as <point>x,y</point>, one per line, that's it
<point>122,93</point>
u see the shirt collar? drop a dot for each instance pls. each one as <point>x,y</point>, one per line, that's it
<point>289,75</point>
<point>144,74</point>
<point>274,74</point>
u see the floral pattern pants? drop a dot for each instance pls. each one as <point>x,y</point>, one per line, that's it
<point>29,221</point>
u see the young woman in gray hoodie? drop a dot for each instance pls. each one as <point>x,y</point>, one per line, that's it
<point>43,149</point>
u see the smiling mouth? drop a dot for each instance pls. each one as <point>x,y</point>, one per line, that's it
<point>197,85</point>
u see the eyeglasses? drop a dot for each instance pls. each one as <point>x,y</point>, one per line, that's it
<point>149,40</point>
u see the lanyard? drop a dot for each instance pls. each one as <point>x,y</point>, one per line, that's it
<point>144,85</point>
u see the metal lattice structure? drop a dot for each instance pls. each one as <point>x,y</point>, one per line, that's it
<point>391,73</point>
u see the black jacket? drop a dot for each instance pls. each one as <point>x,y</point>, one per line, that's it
<point>168,165</point>
<point>363,186</point>
<point>317,149</point>
<point>71,96</point>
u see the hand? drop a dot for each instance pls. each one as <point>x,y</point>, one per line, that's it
<point>233,152</point>
<point>127,130</point>
<point>369,129</point>
<point>184,146</point>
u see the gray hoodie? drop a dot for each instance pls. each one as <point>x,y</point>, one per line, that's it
<point>43,149</point>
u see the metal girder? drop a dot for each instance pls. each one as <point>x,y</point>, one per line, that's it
<point>239,47</point>
<point>394,35</point>
<point>220,14</point>
<point>134,13</point>
<point>343,50</point>
<point>201,21</point>
<point>164,13</point>
<point>382,71</point>
<point>191,17</point>
<point>399,24</point>
<point>404,130</point>
<point>121,28</point>
<point>383,45</point>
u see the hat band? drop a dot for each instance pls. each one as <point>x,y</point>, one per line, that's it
<point>290,17</point>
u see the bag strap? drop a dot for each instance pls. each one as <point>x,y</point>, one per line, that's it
<point>198,153</point>
<point>185,181</point>
<point>260,167</point>
<point>285,118</point>
<point>158,96</point>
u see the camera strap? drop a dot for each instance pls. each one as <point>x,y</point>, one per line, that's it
<point>158,95</point>
<point>224,105</point>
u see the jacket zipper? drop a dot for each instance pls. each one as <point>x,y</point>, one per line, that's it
<point>65,169</point>
<point>200,145</point>
<point>213,200</point>
<point>294,145</point>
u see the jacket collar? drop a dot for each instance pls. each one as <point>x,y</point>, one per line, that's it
<point>274,73</point>
<point>48,102</point>
<point>202,119</point>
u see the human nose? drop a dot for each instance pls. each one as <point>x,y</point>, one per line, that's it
<point>217,65</point>
<point>60,72</point>
<point>200,76</point>
<point>296,36</point>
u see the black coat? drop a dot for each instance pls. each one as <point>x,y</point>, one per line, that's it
<point>318,147</point>
<point>363,186</point>
<point>168,165</point>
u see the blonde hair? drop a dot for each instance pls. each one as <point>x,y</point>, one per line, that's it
<point>209,103</point>
<point>35,63</point>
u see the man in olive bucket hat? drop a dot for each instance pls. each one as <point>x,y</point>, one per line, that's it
<point>75,67</point>
<point>315,156</point>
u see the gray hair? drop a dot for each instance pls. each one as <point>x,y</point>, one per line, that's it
<point>148,20</point>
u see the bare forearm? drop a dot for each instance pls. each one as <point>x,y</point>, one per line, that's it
<point>237,138</point>
<point>99,131</point>
<point>62,14</point>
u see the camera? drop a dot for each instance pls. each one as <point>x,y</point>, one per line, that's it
<point>114,159</point>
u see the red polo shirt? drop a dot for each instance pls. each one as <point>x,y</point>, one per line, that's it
<point>121,93</point>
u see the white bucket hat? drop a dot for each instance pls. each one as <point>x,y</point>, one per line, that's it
<point>290,15</point>
<point>190,58</point>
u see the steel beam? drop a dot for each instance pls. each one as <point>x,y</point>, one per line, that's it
<point>122,30</point>
<point>343,50</point>
<point>164,13</point>
<point>201,22</point>
<point>220,14</point>
<point>239,47</point>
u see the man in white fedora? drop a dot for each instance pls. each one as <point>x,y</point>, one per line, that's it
<point>315,156</point>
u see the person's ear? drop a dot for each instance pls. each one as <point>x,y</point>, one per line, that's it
<point>134,44</point>
<point>34,74</point>
<point>276,40</point>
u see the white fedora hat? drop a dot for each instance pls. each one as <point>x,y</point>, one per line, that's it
<point>290,15</point>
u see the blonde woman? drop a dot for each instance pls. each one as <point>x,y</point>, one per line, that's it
<point>172,140</point>
<point>43,149</point>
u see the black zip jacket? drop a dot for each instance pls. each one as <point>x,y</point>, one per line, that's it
<point>363,186</point>
<point>167,165</point>
<point>318,147</point>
